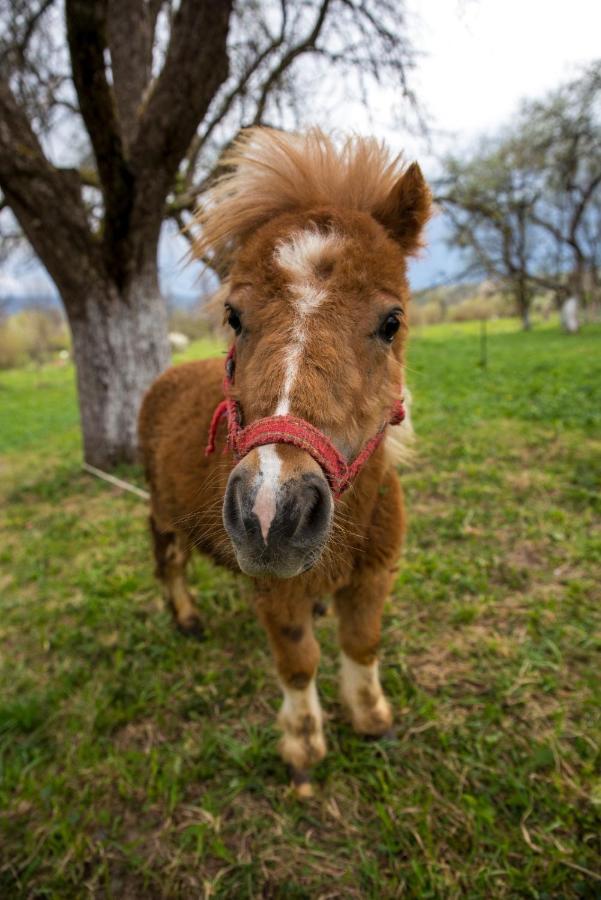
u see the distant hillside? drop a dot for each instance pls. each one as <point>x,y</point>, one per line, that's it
<point>13,303</point>
<point>450,294</point>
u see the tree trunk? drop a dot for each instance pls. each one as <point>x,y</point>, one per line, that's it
<point>120,345</point>
<point>595,283</point>
<point>579,278</point>
<point>522,299</point>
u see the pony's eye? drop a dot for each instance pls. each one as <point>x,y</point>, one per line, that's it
<point>233,319</point>
<point>389,327</point>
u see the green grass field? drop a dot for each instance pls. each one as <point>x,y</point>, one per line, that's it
<point>138,764</point>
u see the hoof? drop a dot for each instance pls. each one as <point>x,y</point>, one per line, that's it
<point>373,720</point>
<point>391,734</point>
<point>191,627</point>
<point>301,784</point>
<point>303,747</point>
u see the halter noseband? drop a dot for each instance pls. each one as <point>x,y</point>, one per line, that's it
<point>292,430</point>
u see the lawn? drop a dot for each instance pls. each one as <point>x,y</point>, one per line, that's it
<point>136,764</point>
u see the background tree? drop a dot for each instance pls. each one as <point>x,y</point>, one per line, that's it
<point>561,141</point>
<point>525,205</point>
<point>489,199</point>
<point>113,115</point>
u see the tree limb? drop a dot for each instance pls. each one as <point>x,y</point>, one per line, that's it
<point>195,66</point>
<point>201,138</point>
<point>46,202</point>
<point>86,34</point>
<point>30,26</point>
<point>130,29</point>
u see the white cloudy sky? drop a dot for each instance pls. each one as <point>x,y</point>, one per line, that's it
<point>479,58</point>
<point>484,55</point>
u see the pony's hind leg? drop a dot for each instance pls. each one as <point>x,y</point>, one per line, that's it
<point>171,553</point>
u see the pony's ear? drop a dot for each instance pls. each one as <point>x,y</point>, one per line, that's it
<point>406,209</point>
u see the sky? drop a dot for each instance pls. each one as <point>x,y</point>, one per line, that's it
<point>478,59</point>
<point>483,56</point>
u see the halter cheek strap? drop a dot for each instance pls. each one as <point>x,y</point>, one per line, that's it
<point>295,431</point>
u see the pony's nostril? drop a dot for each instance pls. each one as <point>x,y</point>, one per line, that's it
<point>312,511</point>
<point>314,506</point>
<point>233,509</point>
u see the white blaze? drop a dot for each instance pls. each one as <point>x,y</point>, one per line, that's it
<point>264,506</point>
<point>298,257</point>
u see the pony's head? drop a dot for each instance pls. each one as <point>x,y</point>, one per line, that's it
<point>317,239</point>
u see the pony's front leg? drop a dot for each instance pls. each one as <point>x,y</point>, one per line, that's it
<point>359,607</point>
<point>289,627</point>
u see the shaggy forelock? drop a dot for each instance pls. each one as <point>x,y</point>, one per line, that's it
<point>271,172</point>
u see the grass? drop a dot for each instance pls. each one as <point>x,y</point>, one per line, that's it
<point>135,763</point>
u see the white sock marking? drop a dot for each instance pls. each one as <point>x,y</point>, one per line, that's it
<point>299,703</point>
<point>301,720</point>
<point>354,676</point>
<point>361,691</point>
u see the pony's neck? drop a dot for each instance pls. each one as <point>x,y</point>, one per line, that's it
<point>362,496</point>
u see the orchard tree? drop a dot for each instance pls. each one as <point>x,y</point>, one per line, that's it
<point>488,199</point>
<point>525,205</point>
<point>561,141</point>
<point>113,115</point>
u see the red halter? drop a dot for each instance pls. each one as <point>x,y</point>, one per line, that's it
<point>292,430</point>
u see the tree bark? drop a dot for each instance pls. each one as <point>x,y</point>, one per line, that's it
<point>120,345</point>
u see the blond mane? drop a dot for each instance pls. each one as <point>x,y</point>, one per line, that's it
<point>272,172</point>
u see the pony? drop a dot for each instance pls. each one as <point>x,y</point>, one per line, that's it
<point>298,486</point>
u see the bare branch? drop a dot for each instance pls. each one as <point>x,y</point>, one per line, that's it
<point>86,33</point>
<point>305,45</point>
<point>195,67</point>
<point>31,24</point>
<point>130,28</point>
<point>228,100</point>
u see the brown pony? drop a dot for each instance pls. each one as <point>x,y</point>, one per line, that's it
<point>316,238</point>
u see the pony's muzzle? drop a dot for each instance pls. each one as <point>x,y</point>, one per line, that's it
<point>277,527</point>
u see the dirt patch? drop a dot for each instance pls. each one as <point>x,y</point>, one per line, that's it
<point>143,735</point>
<point>437,667</point>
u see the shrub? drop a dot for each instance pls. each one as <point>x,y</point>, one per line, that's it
<point>480,307</point>
<point>429,313</point>
<point>189,322</point>
<point>32,335</point>
<point>11,347</point>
